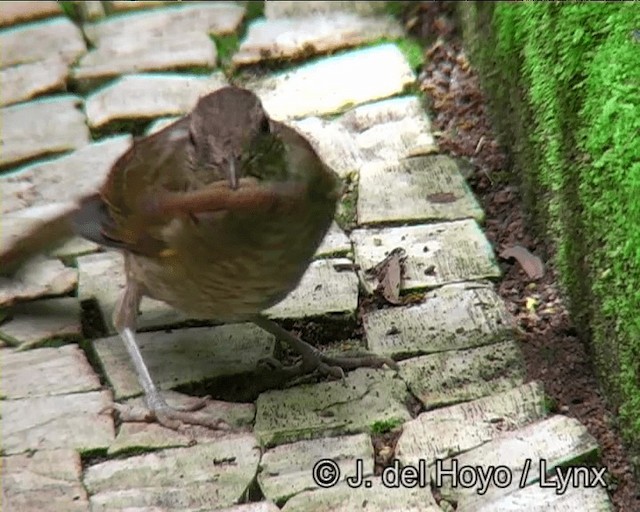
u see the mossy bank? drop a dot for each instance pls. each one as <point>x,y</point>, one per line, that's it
<point>563,82</point>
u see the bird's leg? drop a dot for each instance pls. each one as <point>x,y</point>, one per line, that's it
<point>124,319</point>
<point>314,360</point>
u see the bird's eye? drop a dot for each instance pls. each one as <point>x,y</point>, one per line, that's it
<point>264,126</point>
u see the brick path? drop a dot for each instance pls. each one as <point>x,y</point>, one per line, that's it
<point>68,93</point>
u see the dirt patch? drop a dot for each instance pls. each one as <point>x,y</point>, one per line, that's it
<point>553,352</point>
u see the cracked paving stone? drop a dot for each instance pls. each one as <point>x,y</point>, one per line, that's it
<point>375,497</point>
<point>333,84</point>
<point>323,289</point>
<point>454,376</point>
<point>331,408</point>
<point>185,356</point>
<point>28,134</point>
<point>147,436</point>
<point>25,81</point>
<point>287,469</point>
<point>137,52</point>
<point>42,40</point>
<point>217,18</point>
<point>146,96</point>
<point>46,372</point>
<point>42,321</point>
<point>282,9</point>
<point>299,37</point>
<point>437,254</point>
<point>46,182</point>
<point>44,480</point>
<point>452,317</point>
<point>59,421</point>
<point>559,441</point>
<point>418,188</point>
<point>449,431</point>
<point>205,476</point>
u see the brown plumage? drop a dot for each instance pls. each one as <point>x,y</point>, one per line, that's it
<point>218,215</point>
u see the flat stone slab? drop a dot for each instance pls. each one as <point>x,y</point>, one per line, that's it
<point>66,178</point>
<point>381,132</point>
<point>333,84</point>
<point>437,254</point>
<point>217,18</point>
<point>206,476</point>
<point>299,37</point>
<point>145,96</point>
<point>19,12</point>
<point>42,321</point>
<point>147,436</point>
<point>25,136</point>
<point>555,442</point>
<point>453,317</point>
<point>455,376</point>
<point>40,277</point>
<point>373,498</point>
<point>133,52</point>
<point>101,277</point>
<point>335,242</point>
<point>331,408</point>
<point>58,421</point>
<point>418,188</point>
<point>41,40</point>
<point>44,480</point>
<point>323,289</point>
<point>282,9</point>
<point>534,498</point>
<point>288,469</point>
<point>25,81</point>
<point>46,372</point>
<point>449,431</point>
<point>184,356</point>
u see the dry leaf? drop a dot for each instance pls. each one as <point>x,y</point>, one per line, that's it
<point>530,263</point>
<point>389,274</point>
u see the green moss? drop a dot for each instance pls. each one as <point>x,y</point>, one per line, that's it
<point>412,51</point>
<point>347,214</point>
<point>226,46</point>
<point>385,426</point>
<point>70,10</point>
<point>564,87</point>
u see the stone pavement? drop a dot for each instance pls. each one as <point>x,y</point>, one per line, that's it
<point>70,92</point>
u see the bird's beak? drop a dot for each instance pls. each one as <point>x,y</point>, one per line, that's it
<point>233,177</point>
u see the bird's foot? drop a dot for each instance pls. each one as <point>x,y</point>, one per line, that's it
<point>315,361</point>
<point>175,418</point>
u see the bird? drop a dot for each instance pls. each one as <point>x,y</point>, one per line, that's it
<point>218,215</point>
